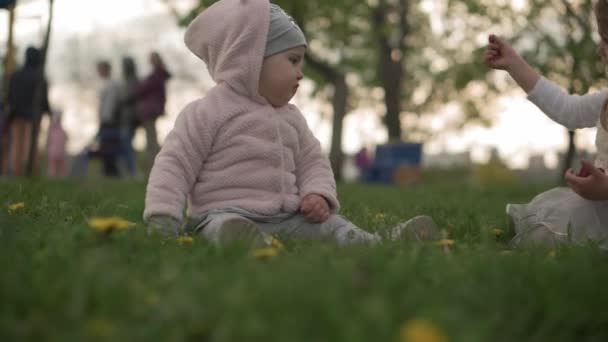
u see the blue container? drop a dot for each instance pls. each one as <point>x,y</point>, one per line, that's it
<point>389,157</point>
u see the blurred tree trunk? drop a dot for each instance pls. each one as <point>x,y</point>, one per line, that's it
<point>339,105</point>
<point>391,52</point>
<point>332,75</point>
<point>9,68</point>
<point>569,156</point>
<point>9,59</point>
<point>38,98</point>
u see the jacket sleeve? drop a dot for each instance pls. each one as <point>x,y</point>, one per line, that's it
<point>571,111</point>
<point>178,164</point>
<point>313,170</point>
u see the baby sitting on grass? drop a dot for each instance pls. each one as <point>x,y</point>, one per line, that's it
<point>243,156</point>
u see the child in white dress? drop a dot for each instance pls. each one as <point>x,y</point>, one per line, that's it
<point>579,213</point>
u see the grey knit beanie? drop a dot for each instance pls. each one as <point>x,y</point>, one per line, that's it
<point>283,32</point>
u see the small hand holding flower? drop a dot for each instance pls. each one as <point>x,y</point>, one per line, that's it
<point>499,54</point>
<point>593,186</point>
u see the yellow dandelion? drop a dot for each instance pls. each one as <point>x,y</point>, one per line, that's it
<point>497,232</point>
<point>379,216</point>
<point>185,240</point>
<point>110,224</point>
<point>277,244</point>
<point>13,208</point>
<point>552,254</point>
<point>265,253</point>
<point>445,243</point>
<point>420,330</point>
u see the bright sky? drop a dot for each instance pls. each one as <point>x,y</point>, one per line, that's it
<point>520,128</point>
<point>81,16</point>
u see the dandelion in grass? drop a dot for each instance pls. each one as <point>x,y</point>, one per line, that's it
<point>265,253</point>
<point>420,330</point>
<point>15,207</point>
<point>552,254</point>
<point>498,232</point>
<point>276,244</point>
<point>185,240</point>
<point>445,243</point>
<point>379,217</point>
<point>110,224</point>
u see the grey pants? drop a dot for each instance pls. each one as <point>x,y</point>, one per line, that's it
<point>285,227</point>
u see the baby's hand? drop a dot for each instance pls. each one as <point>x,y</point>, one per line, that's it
<point>593,187</point>
<point>314,208</point>
<point>499,55</point>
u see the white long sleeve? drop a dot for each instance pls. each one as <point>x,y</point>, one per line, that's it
<point>572,111</point>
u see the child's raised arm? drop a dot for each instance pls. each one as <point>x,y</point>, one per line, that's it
<point>571,111</point>
<point>500,55</point>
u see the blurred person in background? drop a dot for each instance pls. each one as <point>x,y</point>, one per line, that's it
<point>57,139</point>
<point>128,120</point>
<point>151,96</point>
<point>107,143</point>
<point>27,99</point>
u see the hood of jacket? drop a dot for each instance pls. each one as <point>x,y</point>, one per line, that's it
<point>230,37</point>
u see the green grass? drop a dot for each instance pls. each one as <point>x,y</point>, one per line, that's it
<point>61,281</point>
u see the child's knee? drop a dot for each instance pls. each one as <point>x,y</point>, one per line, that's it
<point>215,220</point>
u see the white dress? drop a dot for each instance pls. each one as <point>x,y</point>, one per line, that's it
<point>561,215</point>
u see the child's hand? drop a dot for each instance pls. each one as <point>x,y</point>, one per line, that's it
<point>592,187</point>
<point>499,55</point>
<point>314,208</point>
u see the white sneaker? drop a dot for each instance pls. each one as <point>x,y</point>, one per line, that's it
<point>418,228</point>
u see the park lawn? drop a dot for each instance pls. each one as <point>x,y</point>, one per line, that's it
<point>60,280</point>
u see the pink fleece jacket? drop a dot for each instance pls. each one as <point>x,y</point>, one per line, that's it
<point>232,148</point>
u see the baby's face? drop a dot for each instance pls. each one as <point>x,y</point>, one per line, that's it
<point>281,75</point>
